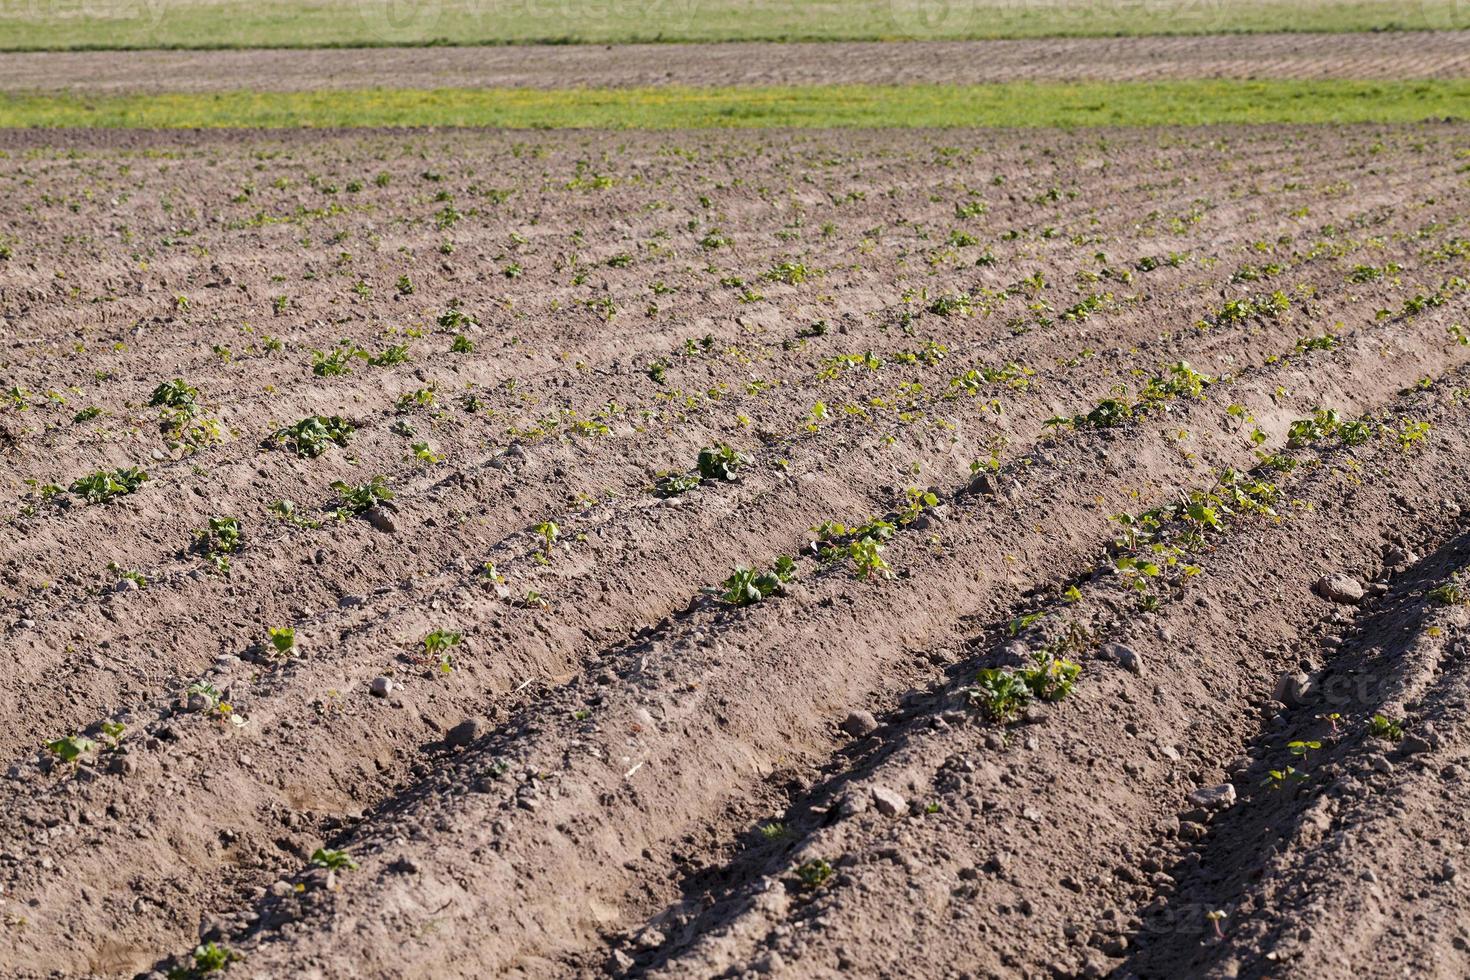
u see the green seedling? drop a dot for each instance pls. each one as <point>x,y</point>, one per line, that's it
<point>281,640</point>
<point>814,874</point>
<point>437,647</point>
<point>71,748</point>
<point>1381,726</point>
<point>1448,594</point>
<point>332,860</point>
<point>746,585</point>
<point>867,558</point>
<point>207,959</point>
<point>1301,748</point>
<point>359,498</point>
<point>549,533</point>
<point>221,539</point>
<point>1215,917</point>
<point>177,393</point>
<point>674,484</point>
<point>112,733</point>
<point>103,487</point>
<point>999,693</point>
<point>915,503</point>
<point>1281,778</point>
<point>721,462</point>
<point>313,435</point>
<point>424,454</point>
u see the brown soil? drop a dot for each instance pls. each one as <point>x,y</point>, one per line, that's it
<point>1361,56</point>
<point>647,766</point>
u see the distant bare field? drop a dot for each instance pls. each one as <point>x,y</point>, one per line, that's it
<point>1289,56</point>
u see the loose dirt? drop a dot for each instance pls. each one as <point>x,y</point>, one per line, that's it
<point>1159,384</point>
<point>1393,56</point>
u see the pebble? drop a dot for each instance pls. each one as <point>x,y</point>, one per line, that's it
<point>381,687</point>
<point>888,802</point>
<point>1414,744</point>
<point>1122,655</point>
<point>860,723</point>
<point>465,732</point>
<point>1380,762</point>
<point>1214,797</point>
<point>1340,587</point>
<point>1293,688</point>
<point>381,520</point>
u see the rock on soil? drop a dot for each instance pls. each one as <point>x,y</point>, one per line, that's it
<point>1340,587</point>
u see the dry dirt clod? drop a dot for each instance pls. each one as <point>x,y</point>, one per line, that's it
<point>1340,587</point>
<point>1214,797</point>
<point>464,733</point>
<point>381,519</point>
<point>888,802</point>
<point>1122,655</point>
<point>381,687</point>
<point>860,723</point>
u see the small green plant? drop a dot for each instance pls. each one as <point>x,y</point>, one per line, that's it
<point>814,874</point>
<point>1381,726</point>
<point>721,462</point>
<point>177,393</point>
<point>359,498</point>
<point>71,748</point>
<point>389,356</point>
<point>1448,594</point>
<point>1410,434</point>
<point>328,364</point>
<point>867,558</point>
<point>747,585</point>
<point>1002,692</point>
<point>1300,748</point>
<point>281,641</point>
<point>103,486</point>
<point>674,484</point>
<point>916,501</point>
<point>313,435</point>
<point>207,959</point>
<point>438,645</point>
<point>999,693</point>
<point>549,533</point>
<point>332,860</point>
<point>1282,778</point>
<point>219,540</point>
<point>424,454</point>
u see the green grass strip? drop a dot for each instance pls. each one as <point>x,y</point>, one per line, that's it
<point>121,24</point>
<point>1017,104</point>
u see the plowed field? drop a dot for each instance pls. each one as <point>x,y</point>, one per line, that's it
<point>378,504</point>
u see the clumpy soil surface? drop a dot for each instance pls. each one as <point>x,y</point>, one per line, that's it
<point>1394,56</point>
<point>1123,476</point>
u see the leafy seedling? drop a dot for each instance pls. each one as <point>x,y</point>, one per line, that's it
<point>747,585</point>
<point>721,462</point>
<point>675,484</point>
<point>332,860</point>
<point>103,487</point>
<point>71,748</point>
<point>437,646</point>
<point>359,498</point>
<point>1381,726</point>
<point>208,958</point>
<point>313,435</point>
<point>281,641</point>
<point>814,874</point>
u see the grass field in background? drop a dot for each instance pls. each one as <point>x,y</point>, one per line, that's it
<point>113,24</point>
<point>1009,105</point>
